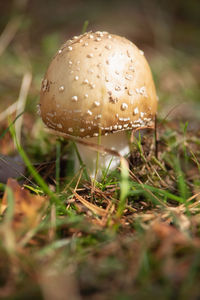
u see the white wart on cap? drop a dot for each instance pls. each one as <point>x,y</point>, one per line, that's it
<point>98,81</point>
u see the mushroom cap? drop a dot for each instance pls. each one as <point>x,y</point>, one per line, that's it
<point>98,82</point>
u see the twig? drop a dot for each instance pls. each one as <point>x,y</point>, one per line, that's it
<point>26,82</point>
<point>9,33</point>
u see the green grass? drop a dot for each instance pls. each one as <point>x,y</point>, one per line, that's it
<point>137,235</point>
<point>68,234</point>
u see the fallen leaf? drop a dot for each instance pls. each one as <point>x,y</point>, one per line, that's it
<point>27,207</point>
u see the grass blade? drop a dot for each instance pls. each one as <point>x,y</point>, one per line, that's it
<point>124,187</point>
<point>85,26</point>
<point>58,153</point>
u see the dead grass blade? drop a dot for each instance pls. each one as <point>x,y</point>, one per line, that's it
<point>94,208</point>
<point>9,33</point>
<point>147,190</point>
<point>26,82</point>
<point>8,111</point>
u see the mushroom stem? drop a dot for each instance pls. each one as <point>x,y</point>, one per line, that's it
<point>117,141</point>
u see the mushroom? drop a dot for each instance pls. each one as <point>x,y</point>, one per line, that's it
<point>98,83</point>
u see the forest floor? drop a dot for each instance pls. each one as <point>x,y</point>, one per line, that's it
<point>135,234</point>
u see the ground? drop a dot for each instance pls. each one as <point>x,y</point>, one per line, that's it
<point>135,235</point>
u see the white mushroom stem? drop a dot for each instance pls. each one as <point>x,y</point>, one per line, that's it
<point>115,141</point>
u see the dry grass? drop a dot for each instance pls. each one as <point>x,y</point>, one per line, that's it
<point>133,235</point>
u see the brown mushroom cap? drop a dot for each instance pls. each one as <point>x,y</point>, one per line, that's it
<point>98,81</point>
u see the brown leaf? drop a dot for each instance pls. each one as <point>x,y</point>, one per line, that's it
<point>27,207</point>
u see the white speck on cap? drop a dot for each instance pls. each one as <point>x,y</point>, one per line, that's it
<point>124,106</point>
<point>142,114</point>
<point>45,85</point>
<point>136,111</point>
<point>129,77</point>
<point>61,88</point>
<point>90,71</point>
<point>38,110</point>
<point>130,92</point>
<point>90,55</point>
<point>117,88</point>
<point>74,98</point>
<point>76,78</point>
<point>92,85</point>
<point>137,90</point>
<point>97,103</point>
<point>89,112</point>
<point>70,48</point>
<point>85,81</point>
<point>131,68</point>
<point>100,33</point>
<point>86,95</point>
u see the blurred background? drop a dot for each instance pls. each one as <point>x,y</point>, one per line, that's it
<point>167,31</point>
